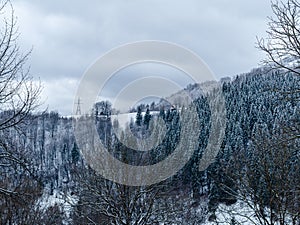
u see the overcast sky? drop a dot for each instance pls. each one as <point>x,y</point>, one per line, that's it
<point>68,36</point>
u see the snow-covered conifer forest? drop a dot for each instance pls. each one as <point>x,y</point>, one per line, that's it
<point>256,167</point>
<point>254,178</point>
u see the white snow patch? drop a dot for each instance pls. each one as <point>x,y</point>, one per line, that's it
<point>241,212</point>
<point>64,201</point>
<point>125,118</point>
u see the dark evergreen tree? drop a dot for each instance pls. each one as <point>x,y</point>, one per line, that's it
<point>147,118</point>
<point>162,113</point>
<point>75,153</point>
<point>139,117</point>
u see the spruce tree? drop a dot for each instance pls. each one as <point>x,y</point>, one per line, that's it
<point>147,118</point>
<point>139,117</point>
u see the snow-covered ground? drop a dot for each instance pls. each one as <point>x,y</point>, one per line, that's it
<point>125,118</point>
<point>241,213</point>
<point>64,201</point>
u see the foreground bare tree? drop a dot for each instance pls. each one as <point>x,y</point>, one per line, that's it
<point>282,44</point>
<point>268,178</point>
<point>102,201</point>
<point>19,96</point>
<point>105,202</point>
<point>18,93</point>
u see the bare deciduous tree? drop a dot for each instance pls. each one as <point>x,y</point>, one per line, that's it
<point>105,202</point>
<point>19,96</point>
<point>267,175</point>
<point>18,93</point>
<point>282,44</point>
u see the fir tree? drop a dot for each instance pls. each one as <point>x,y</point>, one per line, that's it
<point>75,153</point>
<point>139,117</point>
<point>147,118</point>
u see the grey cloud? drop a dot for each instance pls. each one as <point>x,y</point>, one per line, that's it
<point>68,36</point>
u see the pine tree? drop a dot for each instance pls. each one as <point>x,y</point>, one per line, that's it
<point>147,118</point>
<point>139,117</point>
<point>162,113</point>
<point>75,153</point>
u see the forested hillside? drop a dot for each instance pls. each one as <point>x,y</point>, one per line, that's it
<point>257,164</point>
